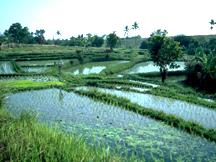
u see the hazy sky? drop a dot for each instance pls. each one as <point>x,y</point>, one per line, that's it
<point>73,17</point>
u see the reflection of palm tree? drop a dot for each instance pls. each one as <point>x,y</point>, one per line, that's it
<point>61,96</point>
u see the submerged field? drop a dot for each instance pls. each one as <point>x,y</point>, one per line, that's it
<point>113,107</point>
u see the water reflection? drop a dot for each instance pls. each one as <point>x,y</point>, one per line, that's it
<point>146,67</point>
<point>61,95</point>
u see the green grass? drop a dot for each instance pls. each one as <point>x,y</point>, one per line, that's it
<point>171,120</point>
<point>28,84</point>
<point>20,85</point>
<point>24,139</point>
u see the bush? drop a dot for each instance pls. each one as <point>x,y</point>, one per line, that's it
<point>201,72</point>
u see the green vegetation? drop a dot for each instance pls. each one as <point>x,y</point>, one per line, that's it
<point>112,40</point>
<point>201,71</point>
<point>14,86</point>
<point>164,51</point>
<point>23,139</point>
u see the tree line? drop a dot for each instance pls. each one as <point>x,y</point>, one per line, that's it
<point>21,35</point>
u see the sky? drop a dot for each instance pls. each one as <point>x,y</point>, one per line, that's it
<point>74,17</point>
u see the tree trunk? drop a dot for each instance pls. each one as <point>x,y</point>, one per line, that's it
<point>163,72</point>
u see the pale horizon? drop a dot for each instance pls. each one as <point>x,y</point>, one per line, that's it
<point>72,17</point>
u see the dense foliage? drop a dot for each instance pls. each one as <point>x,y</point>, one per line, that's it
<point>112,40</point>
<point>201,71</point>
<point>164,51</point>
<point>18,34</point>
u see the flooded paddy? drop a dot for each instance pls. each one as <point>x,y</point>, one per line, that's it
<point>188,111</point>
<point>34,69</point>
<point>94,68</point>
<point>40,63</point>
<point>124,132</point>
<point>6,67</point>
<point>146,67</point>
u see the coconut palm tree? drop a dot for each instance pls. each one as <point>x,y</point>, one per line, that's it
<point>135,26</point>
<point>58,32</point>
<point>126,31</point>
<point>212,23</point>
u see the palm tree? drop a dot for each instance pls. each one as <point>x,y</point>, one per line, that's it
<point>126,33</point>
<point>212,23</point>
<point>135,26</point>
<point>126,30</point>
<point>58,33</point>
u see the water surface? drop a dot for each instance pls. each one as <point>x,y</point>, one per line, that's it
<point>6,67</point>
<point>146,67</point>
<point>94,67</point>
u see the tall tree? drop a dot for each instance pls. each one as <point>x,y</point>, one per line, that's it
<point>39,36</point>
<point>112,40</point>
<point>58,32</point>
<point>126,31</point>
<point>17,34</point>
<point>97,41</point>
<point>135,26</point>
<point>1,40</point>
<point>164,51</point>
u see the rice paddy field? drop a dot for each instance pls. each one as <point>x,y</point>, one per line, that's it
<point>100,109</point>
